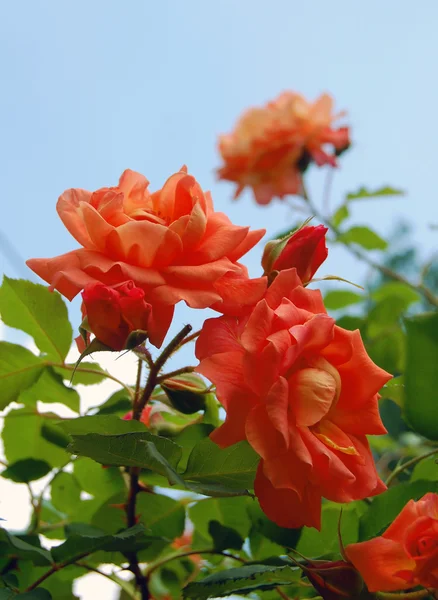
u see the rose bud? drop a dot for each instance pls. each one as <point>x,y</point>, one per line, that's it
<point>114,313</point>
<point>186,392</point>
<point>304,249</point>
<point>334,580</point>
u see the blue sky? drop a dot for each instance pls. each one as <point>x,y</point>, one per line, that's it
<point>92,88</point>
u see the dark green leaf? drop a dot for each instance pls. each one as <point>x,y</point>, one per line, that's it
<point>65,492</point>
<point>230,512</point>
<point>87,540</point>
<point>340,215</point>
<point>14,546</point>
<point>339,298</point>
<point>385,507</point>
<point>19,369</point>
<point>224,537</point>
<point>363,236</point>
<point>421,376</point>
<point>38,594</point>
<point>6,594</point>
<point>26,470</point>
<point>364,194</point>
<point>94,479</point>
<point>189,437</point>
<point>89,373</point>
<point>54,434</point>
<point>241,581</point>
<point>50,388</point>
<point>102,425</point>
<point>42,314</point>
<point>129,450</point>
<point>234,466</point>
<point>287,538</point>
<point>22,439</point>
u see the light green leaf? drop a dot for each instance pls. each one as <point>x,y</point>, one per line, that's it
<point>395,288</point>
<point>231,512</point>
<point>189,437</point>
<point>19,369</point>
<point>88,373</point>
<point>26,470</point>
<point>363,236</point>
<point>339,298</point>
<point>50,388</point>
<point>42,314</point>
<point>118,404</point>
<point>22,438</point>
<point>340,215</point>
<point>65,492</point>
<point>243,580</point>
<point>13,545</point>
<point>234,466</point>
<point>364,194</point>
<point>426,469</point>
<point>163,516</point>
<point>421,375</point>
<point>101,483</point>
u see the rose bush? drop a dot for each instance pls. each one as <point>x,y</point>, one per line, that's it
<point>170,243</point>
<point>272,146</point>
<point>304,393</point>
<point>406,555</point>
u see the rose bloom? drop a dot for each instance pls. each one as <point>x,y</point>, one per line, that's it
<point>271,146</point>
<point>406,555</point>
<point>170,243</point>
<point>304,393</point>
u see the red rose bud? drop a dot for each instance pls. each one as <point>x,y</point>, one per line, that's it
<point>334,580</point>
<point>113,313</point>
<point>304,249</point>
<point>186,392</point>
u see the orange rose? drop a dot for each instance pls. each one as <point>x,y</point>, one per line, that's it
<point>406,555</point>
<point>172,244</point>
<point>272,146</point>
<point>304,393</point>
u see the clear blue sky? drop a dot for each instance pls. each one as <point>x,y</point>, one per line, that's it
<point>91,87</point>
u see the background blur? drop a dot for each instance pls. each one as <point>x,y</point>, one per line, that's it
<point>92,88</point>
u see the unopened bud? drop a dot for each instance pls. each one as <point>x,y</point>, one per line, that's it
<point>186,392</point>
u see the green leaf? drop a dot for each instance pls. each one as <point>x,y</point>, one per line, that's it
<point>100,424</point>
<point>54,434</point>
<point>86,540</point>
<point>13,545</point>
<point>421,376</point>
<point>101,483</point>
<point>230,512</point>
<point>163,516</point>
<point>89,373</point>
<point>394,390</point>
<point>65,492</point>
<point>364,194</point>
<point>340,215</point>
<point>385,507</point>
<point>315,543</point>
<point>42,314</point>
<point>396,288</point>
<point>7,594</point>
<point>287,538</point>
<point>242,580</point>
<point>189,437</point>
<point>339,298</point>
<point>19,369</point>
<point>26,470</point>
<point>22,438</point>
<point>224,537</point>
<point>426,469</point>
<point>129,450</point>
<point>118,404</point>
<point>363,236</point>
<point>234,466</point>
<point>50,388</point>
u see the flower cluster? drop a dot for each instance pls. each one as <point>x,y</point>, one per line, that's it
<point>272,146</point>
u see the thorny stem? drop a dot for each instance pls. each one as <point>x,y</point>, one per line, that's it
<point>408,464</point>
<point>174,373</point>
<point>189,338</point>
<point>420,287</point>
